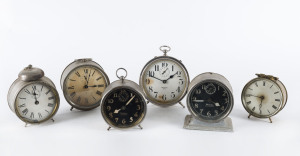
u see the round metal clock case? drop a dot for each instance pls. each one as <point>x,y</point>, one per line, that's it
<point>164,80</point>
<point>33,97</point>
<point>123,104</point>
<point>264,96</point>
<point>83,82</point>
<point>210,97</point>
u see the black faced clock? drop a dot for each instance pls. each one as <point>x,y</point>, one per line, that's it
<point>210,97</point>
<point>123,104</point>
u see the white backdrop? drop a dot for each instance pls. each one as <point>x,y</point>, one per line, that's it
<point>236,38</point>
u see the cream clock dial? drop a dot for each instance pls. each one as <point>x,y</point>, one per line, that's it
<point>36,102</point>
<point>83,83</point>
<point>264,96</point>
<point>164,80</point>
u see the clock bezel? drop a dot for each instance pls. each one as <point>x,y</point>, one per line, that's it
<point>152,100</point>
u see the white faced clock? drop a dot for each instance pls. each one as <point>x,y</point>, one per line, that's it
<point>164,80</point>
<point>264,97</point>
<point>33,96</point>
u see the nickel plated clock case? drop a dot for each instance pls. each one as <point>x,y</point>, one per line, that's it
<point>123,104</point>
<point>33,97</point>
<point>83,82</point>
<point>218,97</point>
<point>264,96</point>
<point>210,101</point>
<point>164,80</point>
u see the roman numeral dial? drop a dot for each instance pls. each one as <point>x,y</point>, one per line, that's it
<point>36,102</point>
<point>84,86</point>
<point>264,99</point>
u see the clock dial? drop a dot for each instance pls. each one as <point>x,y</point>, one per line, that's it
<point>262,98</point>
<point>36,102</point>
<point>123,108</point>
<point>84,86</point>
<point>164,81</point>
<point>210,100</point>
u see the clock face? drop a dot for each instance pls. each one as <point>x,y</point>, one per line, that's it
<point>84,86</point>
<point>262,98</point>
<point>164,81</point>
<point>123,108</point>
<point>36,103</point>
<point>210,100</point>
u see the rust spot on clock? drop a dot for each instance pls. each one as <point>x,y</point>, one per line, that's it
<point>149,81</point>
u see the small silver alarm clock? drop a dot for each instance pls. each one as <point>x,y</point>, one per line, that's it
<point>33,97</point>
<point>123,104</point>
<point>83,82</point>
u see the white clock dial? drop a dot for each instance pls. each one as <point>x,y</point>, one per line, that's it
<point>36,102</point>
<point>164,81</point>
<point>263,98</point>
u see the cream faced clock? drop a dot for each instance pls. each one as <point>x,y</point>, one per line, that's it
<point>164,80</point>
<point>123,104</point>
<point>33,97</point>
<point>264,96</point>
<point>83,82</point>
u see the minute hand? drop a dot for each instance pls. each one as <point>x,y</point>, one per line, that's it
<point>156,78</point>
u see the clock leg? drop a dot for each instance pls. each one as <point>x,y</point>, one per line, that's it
<point>270,120</point>
<point>140,127</point>
<point>26,124</point>
<point>181,104</point>
<point>249,116</point>
<point>52,120</point>
<point>71,108</point>
<point>108,128</point>
<point>147,102</point>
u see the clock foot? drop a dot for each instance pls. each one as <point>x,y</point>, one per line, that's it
<point>249,116</point>
<point>181,104</point>
<point>26,124</point>
<point>108,128</point>
<point>52,120</point>
<point>270,120</point>
<point>147,102</point>
<point>71,108</point>
<point>140,127</point>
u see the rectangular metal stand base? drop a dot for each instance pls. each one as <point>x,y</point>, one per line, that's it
<point>195,124</point>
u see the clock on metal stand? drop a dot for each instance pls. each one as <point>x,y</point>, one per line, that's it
<point>210,101</point>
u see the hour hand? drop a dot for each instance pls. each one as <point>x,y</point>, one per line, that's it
<point>117,111</point>
<point>198,100</point>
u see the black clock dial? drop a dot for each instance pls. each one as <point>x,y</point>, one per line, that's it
<point>210,100</point>
<point>123,108</point>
